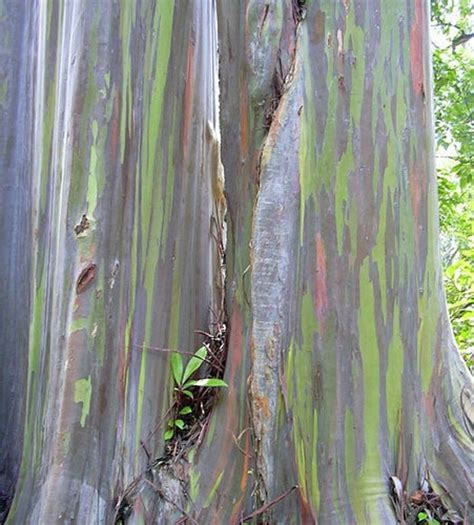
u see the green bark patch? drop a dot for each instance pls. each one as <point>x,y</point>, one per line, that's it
<point>371,374</point>
<point>82,394</point>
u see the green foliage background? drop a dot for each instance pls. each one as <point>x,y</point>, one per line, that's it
<point>453,60</point>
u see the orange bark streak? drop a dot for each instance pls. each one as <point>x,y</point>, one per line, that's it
<point>416,49</point>
<point>188,96</point>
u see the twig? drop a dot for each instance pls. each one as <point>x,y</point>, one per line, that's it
<point>202,431</point>
<point>464,521</point>
<point>163,495</point>
<point>237,439</point>
<point>268,505</point>
<point>170,351</point>
<point>125,493</point>
<point>202,332</point>
<point>158,425</point>
<point>147,452</point>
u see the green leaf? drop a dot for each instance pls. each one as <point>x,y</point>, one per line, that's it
<point>169,434</point>
<point>194,363</point>
<point>422,516</point>
<point>208,382</point>
<point>188,393</point>
<point>177,367</point>
<point>185,411</point>
<point>179,423</point>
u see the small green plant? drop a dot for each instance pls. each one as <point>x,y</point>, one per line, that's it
<point>426,518</point>
<point>184,385</point>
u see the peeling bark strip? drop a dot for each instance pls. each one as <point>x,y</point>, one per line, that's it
<point>275,227</point>
<point>341,366</point>
<point>268,506</point>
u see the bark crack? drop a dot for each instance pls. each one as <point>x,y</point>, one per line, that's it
<point>281,82</point>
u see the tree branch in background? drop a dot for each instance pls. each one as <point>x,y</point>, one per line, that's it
<point>461,39</point>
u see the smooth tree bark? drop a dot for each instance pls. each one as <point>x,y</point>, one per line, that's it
<point>341,366</point>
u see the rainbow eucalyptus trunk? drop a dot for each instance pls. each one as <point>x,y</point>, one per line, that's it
<point>341,365</point>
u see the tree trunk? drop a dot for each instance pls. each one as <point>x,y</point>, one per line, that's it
<point>341,366</point>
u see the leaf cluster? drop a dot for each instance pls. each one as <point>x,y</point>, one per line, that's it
<point>426,518</point>
<point>184,384</point>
